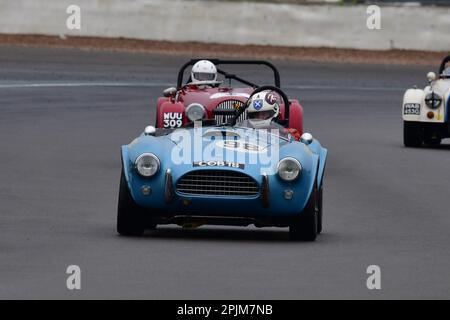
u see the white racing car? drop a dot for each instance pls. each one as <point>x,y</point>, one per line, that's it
<point>426,112</point>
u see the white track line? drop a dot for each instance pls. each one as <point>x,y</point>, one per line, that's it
<point>150,84</point>
<point>81,84</point>
<point>318,87</point>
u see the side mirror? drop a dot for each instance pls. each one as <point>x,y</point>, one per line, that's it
<point>170,92</point>
<point>431,76</point>
<point>307,138</point>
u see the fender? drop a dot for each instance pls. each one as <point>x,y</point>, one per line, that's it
<point>170,115</point>
<point>125,159</point>
<point>314,175</point>
<point>322,166</point>
<point>159,102</point>
<point>131,151</point>
<point>296,116</point>
<point>323,156</point>
<point>413,97</point>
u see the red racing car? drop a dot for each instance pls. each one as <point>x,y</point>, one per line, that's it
<point>198,100</point>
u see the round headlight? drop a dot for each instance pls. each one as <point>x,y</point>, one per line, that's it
<point>147,165</point>
<point>195,112</point>
<point>289,169</point>
<point>433,100</point>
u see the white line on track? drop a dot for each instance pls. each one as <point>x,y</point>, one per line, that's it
<point>320,87</point>
<point>20,85</point>
<point>80,84</point>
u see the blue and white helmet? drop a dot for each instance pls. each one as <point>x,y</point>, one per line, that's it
<point>263,109</point>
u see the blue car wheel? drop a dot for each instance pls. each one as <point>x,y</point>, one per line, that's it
<point>130,217</point>
<point>320,206</point>
<point>305,225</point>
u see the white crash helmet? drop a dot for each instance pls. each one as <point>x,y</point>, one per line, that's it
<point>263,109</point>
<point>446,73</point>
<point>203,72</point>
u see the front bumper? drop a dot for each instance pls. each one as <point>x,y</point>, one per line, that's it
<point>193,221</point>
<point>164,200</point>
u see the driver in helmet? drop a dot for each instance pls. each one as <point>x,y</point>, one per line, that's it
<point>204,74</point>
<point>263,112</point>
<point>446,73</point>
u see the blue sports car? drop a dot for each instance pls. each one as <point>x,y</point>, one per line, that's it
<point>223,175</point>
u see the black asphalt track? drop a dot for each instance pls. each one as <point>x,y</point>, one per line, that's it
<point>64,115</point>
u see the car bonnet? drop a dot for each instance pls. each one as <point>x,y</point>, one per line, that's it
<point>235,139</point>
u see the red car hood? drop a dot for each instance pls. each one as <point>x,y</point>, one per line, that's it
<point>211,97</point>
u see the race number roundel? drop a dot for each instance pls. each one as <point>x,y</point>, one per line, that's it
<point>240,146</point>
<point>258,104</point>
<point>271,98</point>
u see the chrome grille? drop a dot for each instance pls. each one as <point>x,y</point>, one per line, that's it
<point>230,105</point>
<point>218,183</point>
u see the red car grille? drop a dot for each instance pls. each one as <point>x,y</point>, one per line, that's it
<point>229,104</point>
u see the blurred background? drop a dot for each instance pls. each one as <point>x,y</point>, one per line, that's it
<point>345,24</point>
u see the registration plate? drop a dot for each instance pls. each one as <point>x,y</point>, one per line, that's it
<point>219,164</point>
<point>411,109</point>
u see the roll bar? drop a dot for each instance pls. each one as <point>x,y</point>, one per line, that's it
<point>217,62</point>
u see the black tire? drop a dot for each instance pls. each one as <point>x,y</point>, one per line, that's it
<point>433,142</point>
<point>320,207</point>
<point>413,134</point>
<point>304,228</point>
<point>130,218</point>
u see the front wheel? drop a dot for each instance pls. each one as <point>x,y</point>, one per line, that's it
<point>130,218</point>
<point>413,134</point>
<point>320,208</point>
<point>304,228</point>
<point>432,136</point>
<point>434,142</point>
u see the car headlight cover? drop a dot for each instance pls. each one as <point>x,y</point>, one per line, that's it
<point>195,112</point>
<point>289,169</point>
<point>433,100</point>
<point>147,165</point>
